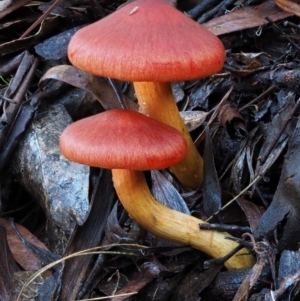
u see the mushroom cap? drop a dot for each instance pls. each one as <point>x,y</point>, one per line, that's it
<point>123,139</point>
<point>147,40</point>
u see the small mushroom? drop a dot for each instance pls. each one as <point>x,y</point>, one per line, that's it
<point>129,142</point>
<point>152,44</point>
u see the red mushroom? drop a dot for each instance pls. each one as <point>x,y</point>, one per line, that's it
<point>127,141</point>
<point>151,43</point>
<point>122,138</point>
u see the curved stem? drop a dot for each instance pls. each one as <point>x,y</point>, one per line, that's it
<point>138,201</point>
<point>156,100</point>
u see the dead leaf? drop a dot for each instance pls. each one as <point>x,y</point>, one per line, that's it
<point>16,91</point>
<point>268,154</point>
<point>166,194</point>
<point>246,64</point>
<point>288,274</point>
<point>193,119</point>
<point>233,214</point>
<point>237,170</point>
<point>114,233</point>
<point>195,282</point>
<point>79,272</point>
<point>96,85</point>
<point>22,255</point>
<point>232,120</point>
<point>252,212</point>
<point>7,267</point>
<point>289,6</point>
<point>227,283</point>
<point>246,17</point>
<point>248,283</point>
<point>212,197</point>
<point>253,60</point>
<point>201,92</point>
<point>285,203</point>
<point>148,272</point>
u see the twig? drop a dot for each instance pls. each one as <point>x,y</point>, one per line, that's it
<point>237,196</point>
<point>258,98</point>
<point>41,18</point>
<point>224,227</point>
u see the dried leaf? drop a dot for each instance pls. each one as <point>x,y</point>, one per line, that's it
<point>79,103</point>
<point>248,282</point>
<point>288,275</point>
<point>195,281</point>
<point>289,6</point>
<point>233,214</point>
<point>16,90</point>
<point>97,86</point>
<point>227,283</point>
<point>193,119</point>
<point>252,212</point>
<point>148,272</point>
<point>48,287</point>
<point>21,123</point>
<point>253,60</point>
<point>22,255</point>
<point>245,64</point>
<point>237,169</point>
<point>285,203</point>
<point>166,193</point>
<point>268,156</point>
<point>7,267</point>
<point>232,120</point>
<point>212,197</point>
<point>178,92</point>
<point>246,17</point>
<point>114,233</point>
<point>78,277</point>
<point>200,93</point>
<point>289,263</point>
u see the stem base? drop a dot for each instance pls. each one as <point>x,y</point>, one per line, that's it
<point>138,201</point>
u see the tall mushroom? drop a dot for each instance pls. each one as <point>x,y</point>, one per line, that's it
<point>127,141</point>
<point>152,44</point>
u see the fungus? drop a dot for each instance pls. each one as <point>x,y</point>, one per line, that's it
<point>152,44</point>
<point>129,142</point>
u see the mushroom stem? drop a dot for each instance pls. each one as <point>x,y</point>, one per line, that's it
<point>156,100</point>
<point>138,201</point>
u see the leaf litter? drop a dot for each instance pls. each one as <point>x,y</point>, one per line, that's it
<point>252,157</point>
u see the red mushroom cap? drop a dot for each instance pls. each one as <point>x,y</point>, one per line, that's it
<point>123,139</point>
<point>147,40</point>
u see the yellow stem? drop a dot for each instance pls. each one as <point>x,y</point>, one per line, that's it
<point>138,201</point>
<point>156,100</point>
